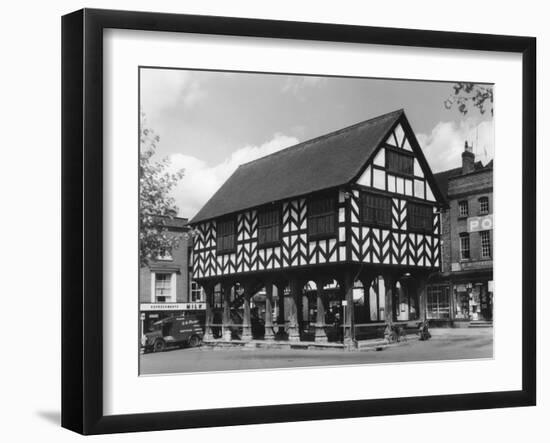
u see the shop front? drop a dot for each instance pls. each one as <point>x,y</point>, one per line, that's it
<point>461,298</point>
<point>150,313</point>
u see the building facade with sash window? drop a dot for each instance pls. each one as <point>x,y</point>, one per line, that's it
<point>345,225</point>
<point>165,285</point>
<point>464,293</point>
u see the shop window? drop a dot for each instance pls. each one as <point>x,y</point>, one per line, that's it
<point>321,221</point>
<point>196,292</point>
<point>463,208</point>
<point>163,287</point>
<point>226,236</point>
<point>375,209</point>
<point>399,163</point>
<point>269,227</point>
<point>419,217</point>
<point>485,244</point>
<point>464,246</point>
<point>438,306</point>
<point>484,205</point>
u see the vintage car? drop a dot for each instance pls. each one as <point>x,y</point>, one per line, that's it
<point>173,331</point>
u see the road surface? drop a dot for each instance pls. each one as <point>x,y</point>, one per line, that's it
<point>449,344</point>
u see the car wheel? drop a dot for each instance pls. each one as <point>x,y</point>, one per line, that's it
<point>194,341</point>
<point>159,346</point>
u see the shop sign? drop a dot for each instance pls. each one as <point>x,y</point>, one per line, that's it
<point>477,264</point>
<point>483,223</point>
<point>161,307</point>
<point>193,306</point>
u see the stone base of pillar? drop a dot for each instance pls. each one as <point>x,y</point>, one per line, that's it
<point>349,343</point>
<point>227,334</point>
<point>293,334</point>
<point>320,335</point>
<point>208,336</point>
<point>269,335</point>
<point>247,334</point>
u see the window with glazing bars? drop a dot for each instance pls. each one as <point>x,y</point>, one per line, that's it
<point>483,205</point>
<point>438,302</point>
<point>226,236</point>
<point>419,217</point>
<point>269,227</point>
<point>321,221</point>
<point>375,209</point>
<point>464,246</point>
<point>163,287</point>
<point>485,244</point>
<point>463,209</point>
<point>399,163</point>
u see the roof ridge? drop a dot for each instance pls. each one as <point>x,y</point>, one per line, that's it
<point>320,137</point>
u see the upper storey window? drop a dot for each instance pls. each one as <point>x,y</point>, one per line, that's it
<point>321,220</point>
<point>226,236</point>
<point>419,217</point>
<point>375,209</point>
<point>269,227</point>
<point>483,205</point>
<point>463,208</point>
<point>399,162</point>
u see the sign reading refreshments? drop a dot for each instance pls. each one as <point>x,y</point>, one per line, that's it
<point>191,306</point>
<point>481,223</point>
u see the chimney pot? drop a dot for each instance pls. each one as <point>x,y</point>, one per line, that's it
<point>468,159</point>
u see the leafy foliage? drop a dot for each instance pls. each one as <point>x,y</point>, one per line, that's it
<point>155,203</point>
<point>471,95</point>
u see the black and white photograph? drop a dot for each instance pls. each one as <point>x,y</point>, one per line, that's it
<point>296,221</point>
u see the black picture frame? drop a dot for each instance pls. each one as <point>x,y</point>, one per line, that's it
<point>82,186</point>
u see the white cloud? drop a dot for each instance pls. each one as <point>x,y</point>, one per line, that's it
<point>296,84</point>
<point>443,147</point>
<point>201,180</point>
<point>166,88</point>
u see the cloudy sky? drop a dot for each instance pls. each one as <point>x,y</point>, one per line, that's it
<point>211,122</point>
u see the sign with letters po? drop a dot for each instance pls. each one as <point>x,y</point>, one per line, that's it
<point>483,223</point>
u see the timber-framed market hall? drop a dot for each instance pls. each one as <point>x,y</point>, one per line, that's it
<point>342,229</point>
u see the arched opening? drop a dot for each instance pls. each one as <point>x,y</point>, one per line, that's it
<point>376,304</point>
<point>406,300</point>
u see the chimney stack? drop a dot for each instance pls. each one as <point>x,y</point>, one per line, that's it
<point>468,159</point>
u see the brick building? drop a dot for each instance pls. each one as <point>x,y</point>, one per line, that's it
<point>165,286</point>
<point>464,291</point>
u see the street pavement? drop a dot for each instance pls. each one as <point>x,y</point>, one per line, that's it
<point>445,344</point>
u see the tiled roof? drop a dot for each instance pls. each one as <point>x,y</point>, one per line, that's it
<point>324,162</point>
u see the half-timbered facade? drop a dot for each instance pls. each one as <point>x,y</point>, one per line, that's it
<point>348,207</point>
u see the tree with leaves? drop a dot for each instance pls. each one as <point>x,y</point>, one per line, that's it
<point>156,205</point>
<point>471,96</point>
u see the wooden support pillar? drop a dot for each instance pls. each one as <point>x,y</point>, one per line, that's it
<point>209,315</point>
<point>320,333</point>
<point>293,328</point>
<point>247,324</point>
<point>269,335</point>
<point>349,319</point>
<point>389,284</point>
<point>422,284</point>
<point>226,320</point>
<point>281,317</point>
